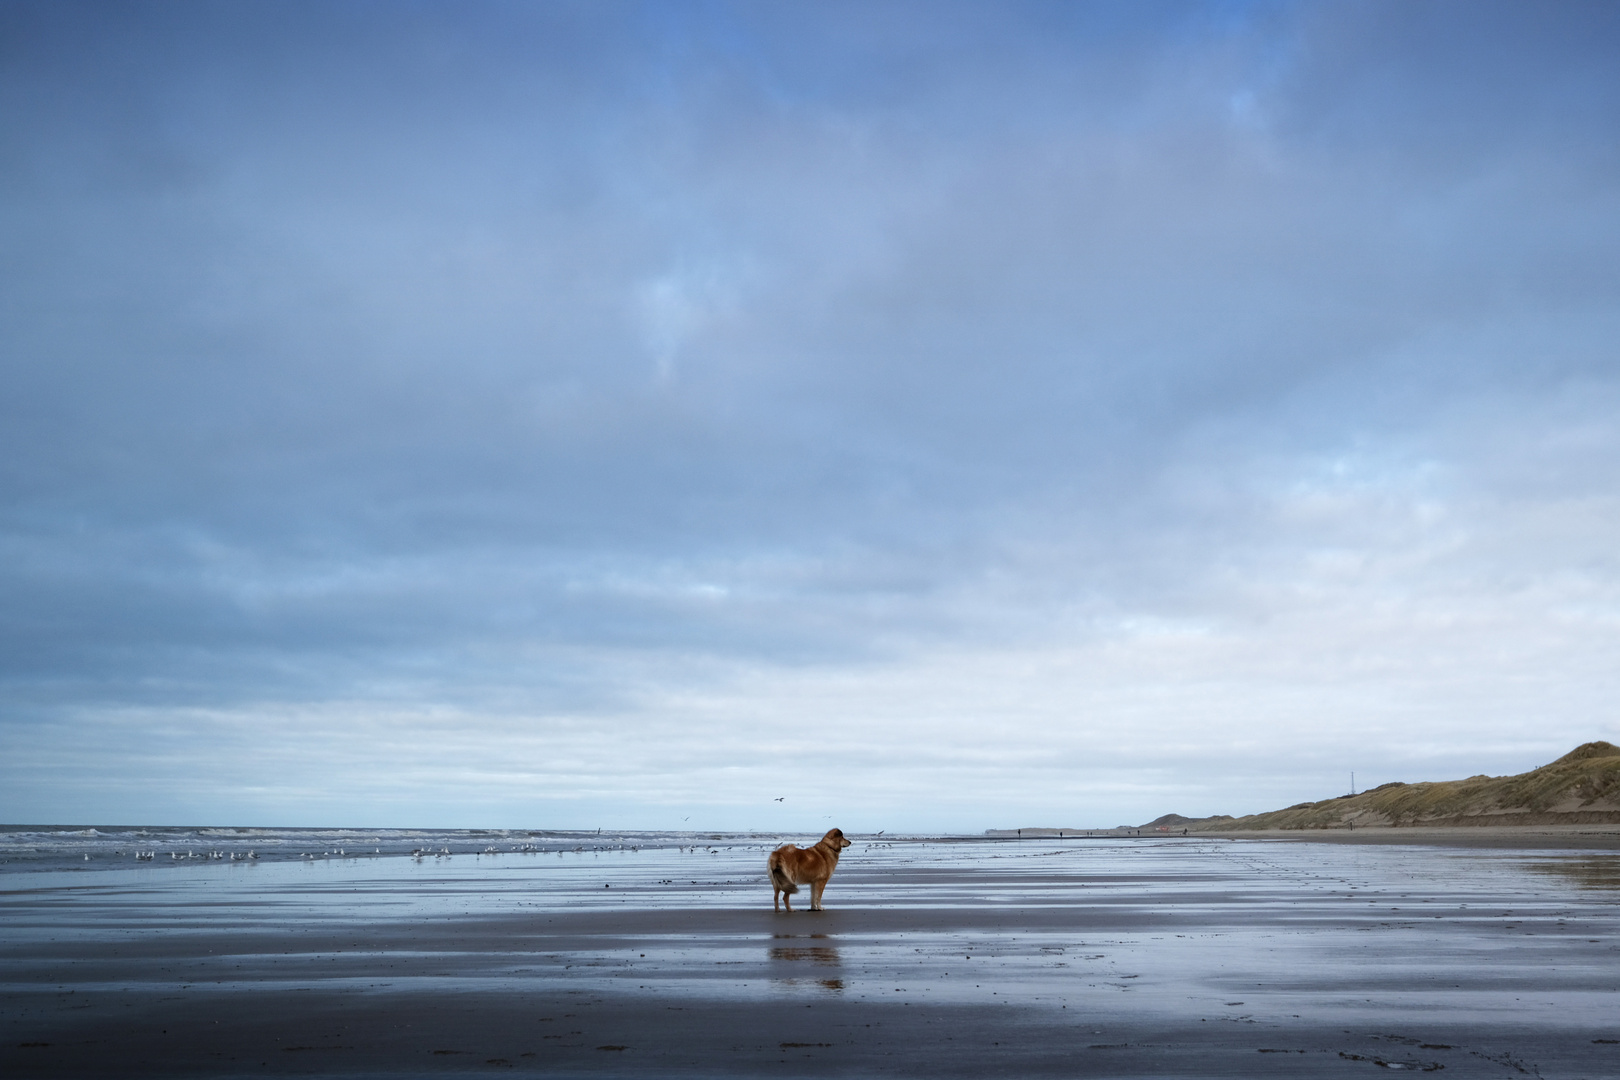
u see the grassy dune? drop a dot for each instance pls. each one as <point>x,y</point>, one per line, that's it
<point>1580,788</point>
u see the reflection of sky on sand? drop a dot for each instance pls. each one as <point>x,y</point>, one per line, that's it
<point>1588,872</point>
<point>1219,932</point>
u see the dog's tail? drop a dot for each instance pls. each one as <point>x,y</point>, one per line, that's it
<point>779,879</point>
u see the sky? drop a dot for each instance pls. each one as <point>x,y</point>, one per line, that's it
<point>772,416</point>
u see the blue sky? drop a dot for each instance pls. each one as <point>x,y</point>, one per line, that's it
<point>940,417</point>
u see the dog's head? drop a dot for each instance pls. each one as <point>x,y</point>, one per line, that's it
<point>836,839</point>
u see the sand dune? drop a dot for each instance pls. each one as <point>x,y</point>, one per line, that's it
<point>1580,788</point>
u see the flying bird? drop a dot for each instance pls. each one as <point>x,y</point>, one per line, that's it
<point>779,800</point>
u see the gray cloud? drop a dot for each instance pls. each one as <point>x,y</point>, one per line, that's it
<point>977,393</point>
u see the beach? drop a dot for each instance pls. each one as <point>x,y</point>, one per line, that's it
<point>958,957</point>
<point>1500,837</point>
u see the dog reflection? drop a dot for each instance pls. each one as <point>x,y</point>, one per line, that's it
<point>815,955</point>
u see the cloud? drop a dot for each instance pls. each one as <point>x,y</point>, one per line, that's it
<point>1157,403</point>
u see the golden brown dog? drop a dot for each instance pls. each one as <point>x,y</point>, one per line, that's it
<point>791,866</point>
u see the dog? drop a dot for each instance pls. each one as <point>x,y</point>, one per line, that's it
<point>791,866</point>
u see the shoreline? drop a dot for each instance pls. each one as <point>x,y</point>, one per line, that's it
<point>1472,836</point>
<point>1507,837</point>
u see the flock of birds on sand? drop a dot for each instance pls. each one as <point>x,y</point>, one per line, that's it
<point>211,856</point>
<point>418,854</point>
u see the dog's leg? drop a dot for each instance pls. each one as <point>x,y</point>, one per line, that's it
<point>815,895</point>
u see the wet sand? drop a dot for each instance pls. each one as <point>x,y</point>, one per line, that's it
<point>1162,957</point>
<point>1510,837</point>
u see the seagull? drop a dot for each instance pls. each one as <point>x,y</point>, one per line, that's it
<point>779,800</point>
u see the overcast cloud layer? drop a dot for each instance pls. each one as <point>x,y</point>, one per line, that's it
<point>939,418</point>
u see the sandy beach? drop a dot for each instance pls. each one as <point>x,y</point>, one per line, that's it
<point>1153,957</point>
<point>1507,837</point>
